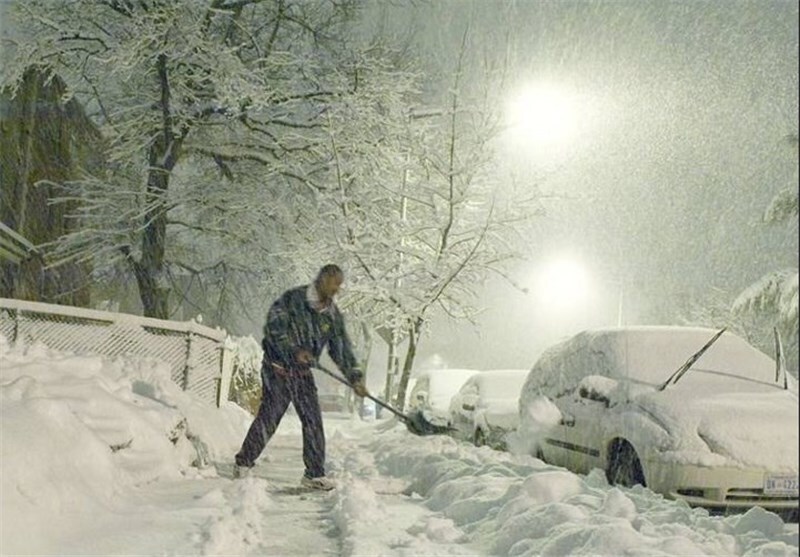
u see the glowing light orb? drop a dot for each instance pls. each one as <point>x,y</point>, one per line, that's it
<point>543,115</point>
<point>563,283</point>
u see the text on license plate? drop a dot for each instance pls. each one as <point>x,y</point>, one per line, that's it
<point>781,484</point>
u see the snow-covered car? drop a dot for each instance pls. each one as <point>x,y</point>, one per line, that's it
<point>691,413</point>
<point>433,390</point>
<point>485,409</point>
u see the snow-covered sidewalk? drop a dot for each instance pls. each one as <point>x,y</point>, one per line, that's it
<point>100,457</point>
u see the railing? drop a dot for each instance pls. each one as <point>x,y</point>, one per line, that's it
<point>197,355</point>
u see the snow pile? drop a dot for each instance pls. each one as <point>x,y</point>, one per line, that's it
<point>372,516</point>
<point>80,430</point>
<point>511,505</point>
<point>240,526</point>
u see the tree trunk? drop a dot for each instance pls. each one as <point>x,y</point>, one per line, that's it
<point>154,288</point>
<point>150,273</point>
<point>351,398</point>
<point>408,363</point>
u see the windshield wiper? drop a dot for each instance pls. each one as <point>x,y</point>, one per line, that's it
<point>780,360</point>
<point>690,362</point>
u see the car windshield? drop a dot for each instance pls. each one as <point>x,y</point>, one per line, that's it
<point>678,373</point>
<point>647,355</point>
<point>651,356</point>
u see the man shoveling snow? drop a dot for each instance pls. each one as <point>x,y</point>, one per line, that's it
<point>300,324</point>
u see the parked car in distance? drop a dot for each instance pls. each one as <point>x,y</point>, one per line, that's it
<point>691,413</point>
<point>486,408</point>
<point>332,402</point>
<point>368,409</point>
<point>433,390</point>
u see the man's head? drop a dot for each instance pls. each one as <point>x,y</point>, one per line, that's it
<point>328,281</point>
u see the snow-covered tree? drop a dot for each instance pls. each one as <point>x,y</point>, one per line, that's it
<point>775,294</point>
<point>250,142</point>
<point>425,226</point>
<point>213,112</point>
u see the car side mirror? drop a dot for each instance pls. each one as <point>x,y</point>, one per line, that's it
<point>598,388</point>
<point>590,394</point>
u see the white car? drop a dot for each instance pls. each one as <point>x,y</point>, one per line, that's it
<point>691,413</point>
<point>433,390</point>
<point>485,409</point>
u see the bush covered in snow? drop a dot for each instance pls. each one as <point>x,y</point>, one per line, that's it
<point>246,379</point>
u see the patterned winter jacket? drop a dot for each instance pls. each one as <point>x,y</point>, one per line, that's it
<point>293,324</point>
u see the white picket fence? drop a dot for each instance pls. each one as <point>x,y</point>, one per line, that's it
<point>197,355</point>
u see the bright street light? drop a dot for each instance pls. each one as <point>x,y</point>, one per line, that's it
<point>543,115</point>
<point>562,284</point>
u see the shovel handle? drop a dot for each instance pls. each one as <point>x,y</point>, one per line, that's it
<point>377,401</point>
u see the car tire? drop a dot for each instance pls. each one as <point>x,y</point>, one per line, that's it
<point>479,439</point>
<point>624,467</point>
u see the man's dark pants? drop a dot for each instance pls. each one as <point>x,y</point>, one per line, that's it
<point>279,389</point>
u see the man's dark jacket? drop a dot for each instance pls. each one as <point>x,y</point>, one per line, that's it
<point>292,324</point>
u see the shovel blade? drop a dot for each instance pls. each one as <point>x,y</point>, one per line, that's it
<point>418,425</point>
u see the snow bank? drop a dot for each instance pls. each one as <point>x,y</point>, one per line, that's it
<point>514,505</point>
<point>79,430</point>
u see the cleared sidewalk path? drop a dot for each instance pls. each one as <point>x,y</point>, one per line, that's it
<point>268,512</point>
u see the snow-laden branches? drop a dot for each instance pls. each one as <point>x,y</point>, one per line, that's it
<point>782,208</point>
<point>236,89</point>
<point>775,293</point>
<point>416,205</point>
<point>247,143</point>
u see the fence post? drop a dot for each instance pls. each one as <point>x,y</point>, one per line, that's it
<point>226,373</point>
<point>187,370</point>
<point>15,315</point>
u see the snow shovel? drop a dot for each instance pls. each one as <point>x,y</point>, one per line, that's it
<point>416,422</point>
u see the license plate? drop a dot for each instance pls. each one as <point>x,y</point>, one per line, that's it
<point>781,484</point>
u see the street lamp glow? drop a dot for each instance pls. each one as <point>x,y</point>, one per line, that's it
<point>543,115</point>
<point>563,283</point>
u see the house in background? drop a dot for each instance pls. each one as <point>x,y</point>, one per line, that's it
<point>43,141</point>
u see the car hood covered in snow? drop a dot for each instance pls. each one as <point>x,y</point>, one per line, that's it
<point>737,428</point>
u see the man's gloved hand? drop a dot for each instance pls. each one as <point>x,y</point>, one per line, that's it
<point>303,357</point>
<point>360,389</point>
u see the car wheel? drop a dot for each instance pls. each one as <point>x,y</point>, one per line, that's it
<point>539,453</point>
<point>624,467</point>
<point>479,439</point>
